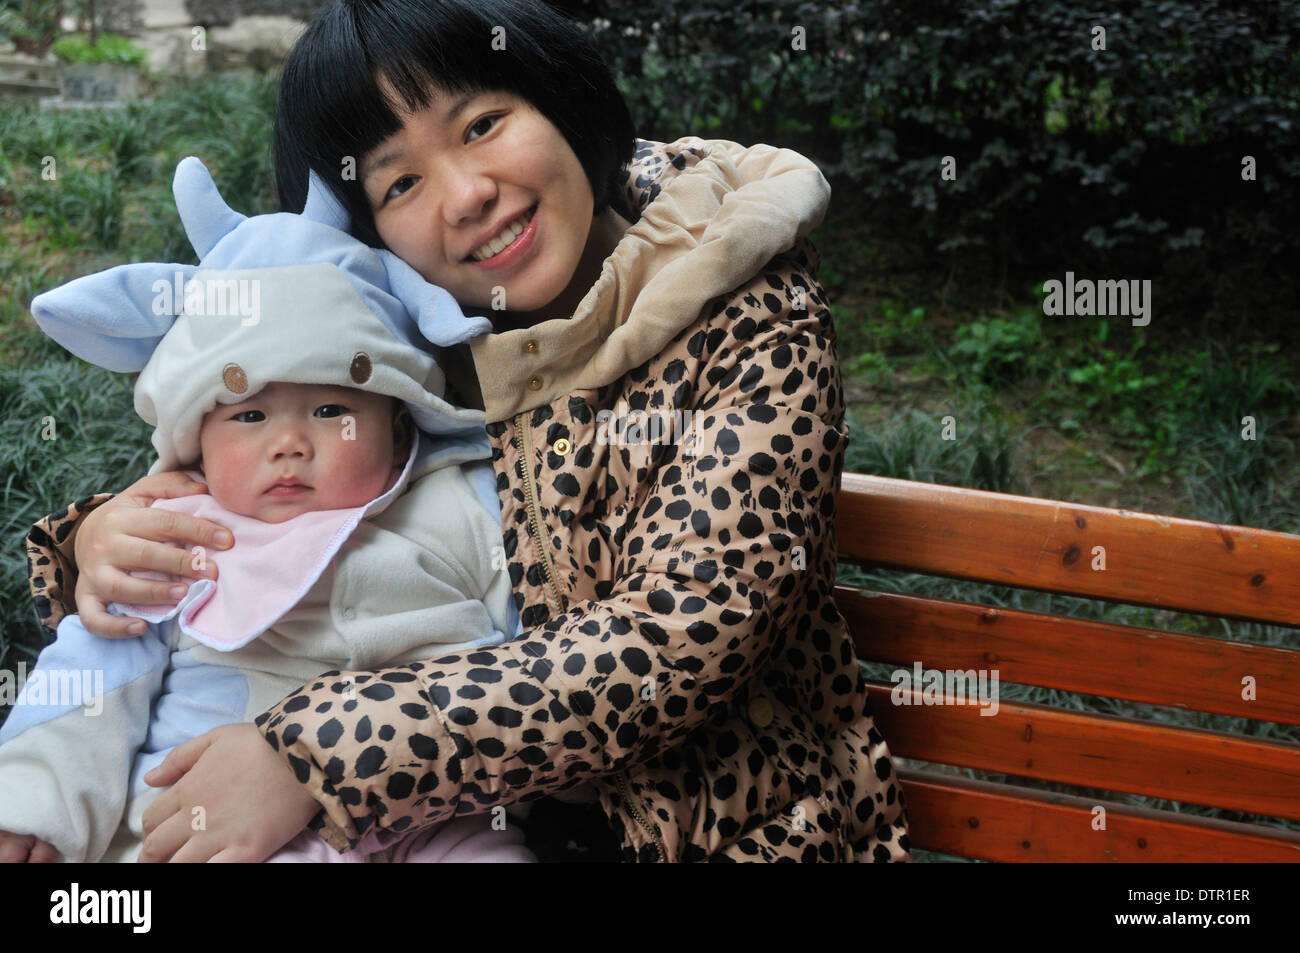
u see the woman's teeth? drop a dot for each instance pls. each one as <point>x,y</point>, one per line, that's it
<point>508,235</point>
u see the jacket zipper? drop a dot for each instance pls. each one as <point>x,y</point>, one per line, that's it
<point>649,828</point>
<point>534,511</point>
<point>525,448</point>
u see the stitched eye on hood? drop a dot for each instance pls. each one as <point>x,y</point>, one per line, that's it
<point>360,369</point>
<point>233,376</point>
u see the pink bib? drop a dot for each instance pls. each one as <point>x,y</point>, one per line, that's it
<point>264,575</point>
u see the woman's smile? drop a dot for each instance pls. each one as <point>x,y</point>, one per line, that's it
<point>510,245</point>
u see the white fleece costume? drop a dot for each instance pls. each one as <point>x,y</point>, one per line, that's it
<point>414,574</point>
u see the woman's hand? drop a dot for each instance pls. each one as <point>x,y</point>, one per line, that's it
<point>125,534</point>
<point>233,800</point>
<point>25,849</point>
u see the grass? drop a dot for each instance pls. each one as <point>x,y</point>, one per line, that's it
<point>84,190</point>
<point>66,431</point>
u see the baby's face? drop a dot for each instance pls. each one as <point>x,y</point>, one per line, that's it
<point>293,448</point>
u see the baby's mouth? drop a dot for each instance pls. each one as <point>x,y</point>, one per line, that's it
<point>287,487</point>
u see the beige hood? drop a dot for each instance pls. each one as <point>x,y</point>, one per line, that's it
<point>722,211</point>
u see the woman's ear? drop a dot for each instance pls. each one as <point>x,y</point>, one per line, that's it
<point>403,434</point>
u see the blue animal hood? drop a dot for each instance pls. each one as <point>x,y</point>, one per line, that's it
<point>278,297</point>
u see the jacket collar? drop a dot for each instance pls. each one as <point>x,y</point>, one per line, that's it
<point>714,212</point>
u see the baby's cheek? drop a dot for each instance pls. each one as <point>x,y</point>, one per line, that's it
<point>362,468</point>
<point>230,469</point>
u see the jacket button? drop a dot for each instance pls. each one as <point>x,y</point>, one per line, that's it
<point>561,447</point>
<point>760,712</point>
<point>530,347</point>
<point>534,383</point>
<point>848,853</point>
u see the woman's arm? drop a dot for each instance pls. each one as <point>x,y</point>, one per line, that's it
<point>107,537</point>
<point>608,683</point>
<point>51,565</point>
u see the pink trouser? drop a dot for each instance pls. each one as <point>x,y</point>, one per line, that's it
<point>462,840</point>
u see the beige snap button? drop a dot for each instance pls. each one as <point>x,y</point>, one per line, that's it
<point>534,383</point>
<point>561,447</point>
<point>530,347</point>
<point>760,712</point>
<point>233,376</point>
<point>360,369</point>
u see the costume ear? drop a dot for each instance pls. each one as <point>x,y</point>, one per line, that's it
<point>434,309</point>
<point>204,213</point>
<point>117,317</point>
<point>322,205</point>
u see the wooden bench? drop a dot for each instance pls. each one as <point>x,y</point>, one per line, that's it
<point>1187,565</point>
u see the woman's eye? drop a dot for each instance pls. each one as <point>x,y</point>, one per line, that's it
<point>403,184</point>
<point>249,417</point>
<point>330,410</point>
<point>484,130</point>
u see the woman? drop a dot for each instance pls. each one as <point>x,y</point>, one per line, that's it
<point>682,669</point>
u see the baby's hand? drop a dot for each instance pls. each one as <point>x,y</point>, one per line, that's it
<point>25,849</point>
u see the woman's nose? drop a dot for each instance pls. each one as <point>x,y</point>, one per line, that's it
<point>469,190</point>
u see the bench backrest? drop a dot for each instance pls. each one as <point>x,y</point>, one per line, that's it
<point>1187,565</point>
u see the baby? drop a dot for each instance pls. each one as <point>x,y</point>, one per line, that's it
<point>364,516</point>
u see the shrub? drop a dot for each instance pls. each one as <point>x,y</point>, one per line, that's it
<point>108,48</point>
<point>1115,158</point>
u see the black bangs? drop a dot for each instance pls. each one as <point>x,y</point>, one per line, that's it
<point>332,110</point>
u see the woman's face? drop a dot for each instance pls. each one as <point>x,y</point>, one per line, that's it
<point>482,195</point>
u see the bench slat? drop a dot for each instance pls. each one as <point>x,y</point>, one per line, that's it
<point>998,538</point>
<point>1097,751</point>
<point>1144,665</point>
<point>998,822</point>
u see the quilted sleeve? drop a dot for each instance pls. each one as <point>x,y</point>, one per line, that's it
<point>51,568</point>
<point>705,586</point>
<point>67,747</point>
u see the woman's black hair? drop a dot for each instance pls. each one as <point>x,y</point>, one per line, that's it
<point>331,106</point>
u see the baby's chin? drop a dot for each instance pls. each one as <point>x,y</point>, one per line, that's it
<point>283,512</point>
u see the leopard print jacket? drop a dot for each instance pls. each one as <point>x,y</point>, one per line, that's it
<point>682,653</point>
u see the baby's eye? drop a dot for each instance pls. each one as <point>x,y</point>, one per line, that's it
<point>404,184</point>
<point>330,410</point>
<point>249,416</point>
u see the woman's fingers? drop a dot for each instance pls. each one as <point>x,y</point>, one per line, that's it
<point>159,486</point>
<point>127,533</point>
<point>98,621</point>
<point>172,768</point>
<point>126,536</point>
<point>165,840</point>
<point>96,588</point>
<point>135,541</point>
<point>149,530</point>
<point>196,850</point>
